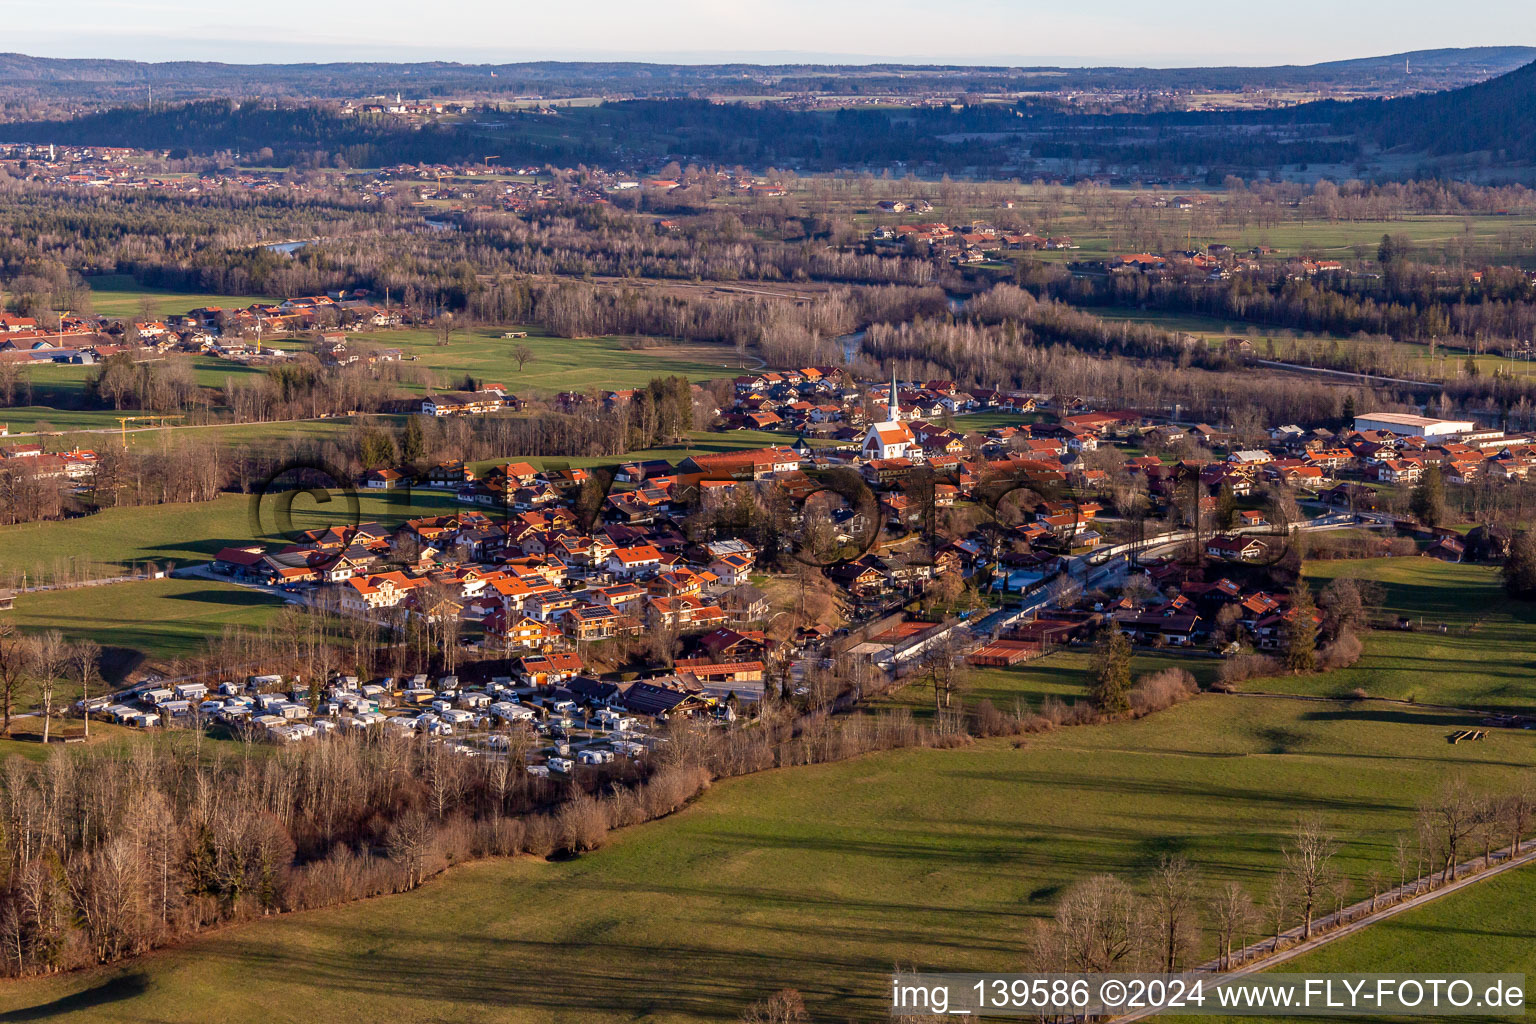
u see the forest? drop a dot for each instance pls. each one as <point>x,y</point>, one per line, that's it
<point>38,80</point>
<point>976,139</point>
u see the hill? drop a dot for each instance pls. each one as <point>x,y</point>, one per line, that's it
<point>104,81</point>
<point>1497,116</point>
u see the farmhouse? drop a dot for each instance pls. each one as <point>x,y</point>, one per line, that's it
<point>460,403</point>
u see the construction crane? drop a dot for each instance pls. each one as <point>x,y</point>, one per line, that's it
<point>123,422</point>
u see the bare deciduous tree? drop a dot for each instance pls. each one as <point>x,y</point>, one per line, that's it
<point>1176,909</point>
<point>1102,925</point>
<point>783,1007</point>
<point>15,661</point>
<point>409,840</point>
<point>1519,806</point>
<point>1309,868</point>
<point>1234,915</point>
<point>84,659</point>
<point>50,659</point>
<point>1447,821</point>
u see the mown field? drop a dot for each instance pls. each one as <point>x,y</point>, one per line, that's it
<point>1065,675</point>
<point>1483,659</point>
<point>158,618</point>
<point>1481,239</point>
<point>23,739</point>
<point>136,617</point>
<point>1477,239</point>
<point>193,532</point>
<point>1447,361</point>
<point>62,403</point>
<point>558,364</point>
<point>121,295</point>
<point>66,383</point>
<point>820,878</point>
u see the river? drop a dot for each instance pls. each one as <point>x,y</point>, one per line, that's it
<point>958,303</point>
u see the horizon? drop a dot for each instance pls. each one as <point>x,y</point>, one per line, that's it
<point>1017,33</point>
<point>766,59</point>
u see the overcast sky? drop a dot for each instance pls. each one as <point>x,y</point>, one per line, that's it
<point>1174,32</point>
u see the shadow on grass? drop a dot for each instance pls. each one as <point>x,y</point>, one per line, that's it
<point>125,987</point>
<point>225,597</point>
<point>1396,716</point>
<point>117,663</point>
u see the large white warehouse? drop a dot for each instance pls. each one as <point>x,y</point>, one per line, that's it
<point>1413,426</point>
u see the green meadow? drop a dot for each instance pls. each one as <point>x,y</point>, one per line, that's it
<point>159,619</point>
<point>819,878</point>
<point>1484,928</point>
<point>1466,646</point>
<point>1466,643</point>
<point>183,533</point>
<point>557,364</point>
<point>120,295</point>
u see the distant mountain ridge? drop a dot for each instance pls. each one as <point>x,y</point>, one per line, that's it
<point>1484,130</point>
<point>119,80</point>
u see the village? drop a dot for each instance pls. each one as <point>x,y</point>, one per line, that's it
<point>590,622</point>
<point>429,189</point>
<point>473,529</point>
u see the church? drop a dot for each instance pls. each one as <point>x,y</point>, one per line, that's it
<point>891,438</point>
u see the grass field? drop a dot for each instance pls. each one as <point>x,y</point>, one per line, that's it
<point>25,733</point>
<point>62,404</point>
<point>984,421</point>
<point>1483,660</point>
<point>65,383</point>
<point>1066,675</point>
<point>121,295</point>
<point>1478,240</point>
<point>558,364</point>
<point>820,878</point>
<point>191,533</point>
<point>158,618</point>
<point>1485,928</point>
<point>1446,362</point>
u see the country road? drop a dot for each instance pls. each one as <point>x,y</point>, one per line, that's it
<point>1357,917</point>
<point>1346,375</point>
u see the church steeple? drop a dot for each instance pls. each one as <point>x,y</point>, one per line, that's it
<point>893,411</point>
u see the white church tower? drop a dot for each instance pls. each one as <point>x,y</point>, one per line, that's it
<point>891,438</point>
